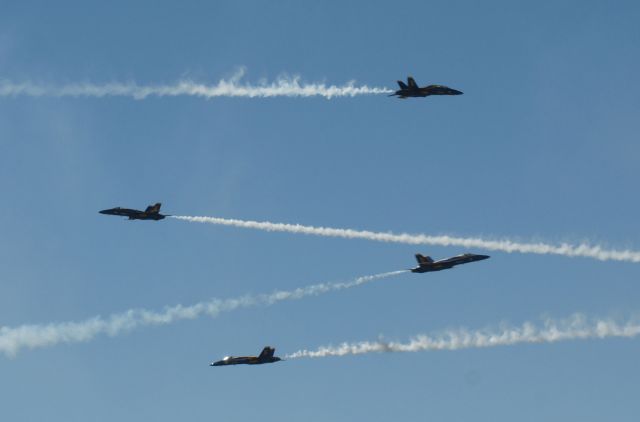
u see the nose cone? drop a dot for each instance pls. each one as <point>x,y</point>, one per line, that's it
<point>456,92</point>
<point>104,211</point>
<point>214,364</point>
<point>481,257</point>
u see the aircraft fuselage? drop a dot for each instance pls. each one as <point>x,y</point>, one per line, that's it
<point>133,214</point>
<point>266,356</point>
<point>245,360</point>
<point>411,89</point>
<point>445,264</point>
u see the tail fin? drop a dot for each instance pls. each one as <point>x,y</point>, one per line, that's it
<point>267,352</point>
<point>412,83</point>
<point>423,259</point>
<point>153,209</point>
<point>402,85</point>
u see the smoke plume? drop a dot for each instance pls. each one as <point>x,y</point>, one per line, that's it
<point>283,86</point>
<point>503,245</point>
<point>577,327</point>
<point>14,339</point>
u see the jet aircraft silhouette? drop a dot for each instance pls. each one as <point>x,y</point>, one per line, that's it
<point>151,213</point>
<point>266,356</point>
<point>426,264</point>
<point>411,89</point>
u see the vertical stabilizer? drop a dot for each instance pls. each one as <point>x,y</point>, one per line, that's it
<point>423,260</point>
<point>267,352</point>
<point>153,209</point>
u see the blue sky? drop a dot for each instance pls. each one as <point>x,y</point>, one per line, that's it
<point>542,146</point>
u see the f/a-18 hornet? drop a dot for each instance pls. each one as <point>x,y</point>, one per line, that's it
<point>426,264</point>
<point>411,89</point>
<point>266,356</point>
<point>151,213</point>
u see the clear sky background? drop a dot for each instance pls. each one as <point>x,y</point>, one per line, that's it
<point>543,145</point>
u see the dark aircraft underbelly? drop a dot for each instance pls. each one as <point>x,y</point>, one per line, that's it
<point>432,268</point>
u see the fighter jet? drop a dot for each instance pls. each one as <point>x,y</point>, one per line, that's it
<point>411,89</point>
<point>151,213</point>
<point>426,264</point>
<point>265,357</point>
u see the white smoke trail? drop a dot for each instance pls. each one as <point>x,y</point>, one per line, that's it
<point>577,327</point>
<point>12,340</point>
<point>282,87</point>
<point>504,245</point>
